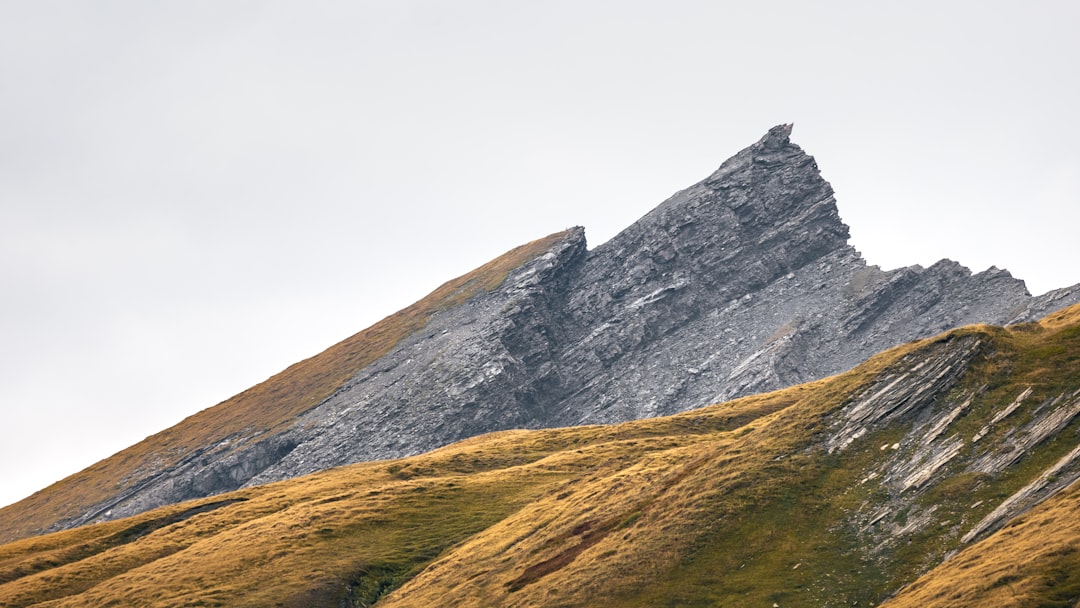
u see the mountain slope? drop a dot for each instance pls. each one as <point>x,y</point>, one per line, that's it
<point>1033,561</point>
<point>244,421</point>
<point>837,492</point>
<point>741,283</point>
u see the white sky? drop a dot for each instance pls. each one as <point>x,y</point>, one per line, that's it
<point>194,195</point>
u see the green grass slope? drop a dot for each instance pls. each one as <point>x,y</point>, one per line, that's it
<point>736,504</point>
<point>1033,561</point>
<point>264,408</point>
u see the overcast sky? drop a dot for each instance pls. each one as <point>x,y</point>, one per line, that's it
<point>194,195</point>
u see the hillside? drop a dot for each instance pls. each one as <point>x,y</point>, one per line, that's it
<point>242,421</point>
<point>939,473</point>
<point>742,283</point>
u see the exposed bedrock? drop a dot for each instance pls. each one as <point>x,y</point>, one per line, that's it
<point>742,283</point>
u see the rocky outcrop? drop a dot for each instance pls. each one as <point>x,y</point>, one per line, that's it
<point>932,458</point>
<point>741,283</point>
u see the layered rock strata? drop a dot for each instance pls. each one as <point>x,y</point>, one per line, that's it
<point>742,283</point>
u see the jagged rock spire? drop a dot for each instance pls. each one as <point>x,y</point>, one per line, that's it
<point>764,213</point>
<point>777,137</point>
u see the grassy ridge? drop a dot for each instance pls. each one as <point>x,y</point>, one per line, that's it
<point>736,504</point>
<point>757,516</point>
<point>264,408</point>
<point>351,532</point>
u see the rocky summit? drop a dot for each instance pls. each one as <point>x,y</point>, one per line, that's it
<point>742,283</point>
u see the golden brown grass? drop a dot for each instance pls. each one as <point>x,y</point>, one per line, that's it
<point>266,407</point>
<point>370,525</point>
<point>1062,319</point>
<point>727,505</point>
<point>556,500</point>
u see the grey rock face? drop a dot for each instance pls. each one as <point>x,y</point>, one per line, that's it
<point>740,284</point>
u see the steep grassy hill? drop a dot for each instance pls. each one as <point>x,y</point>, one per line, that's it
<point>258,411</point>
<point>941,472</point>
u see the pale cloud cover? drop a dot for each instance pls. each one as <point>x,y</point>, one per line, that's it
<point>194,195</point>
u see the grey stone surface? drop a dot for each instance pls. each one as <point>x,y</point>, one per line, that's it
<point>742,283</point>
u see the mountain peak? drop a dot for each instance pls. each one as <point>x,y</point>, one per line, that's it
<point>777,137</point>
<point>741,283</point>
<point>769,201</point>
<point>774,151</point>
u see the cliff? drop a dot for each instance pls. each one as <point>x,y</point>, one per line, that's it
<point>740,284</point>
